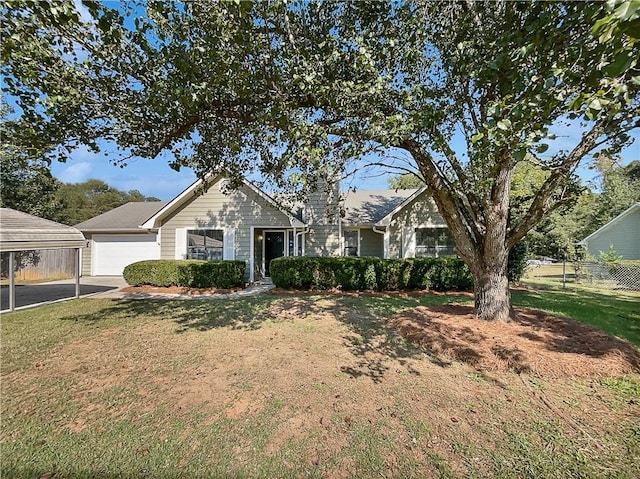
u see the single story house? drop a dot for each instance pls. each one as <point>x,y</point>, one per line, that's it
<point>206,221</point>
<point>622,233</point>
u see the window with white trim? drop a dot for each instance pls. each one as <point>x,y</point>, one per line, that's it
<point>434,243</point>
<point>205,244</point>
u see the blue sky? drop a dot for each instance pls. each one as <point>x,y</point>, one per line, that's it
<point>155,178</point>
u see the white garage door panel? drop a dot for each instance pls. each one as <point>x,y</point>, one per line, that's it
<point>112,253</point>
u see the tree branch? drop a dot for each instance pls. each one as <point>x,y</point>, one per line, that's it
<point>540,204</point>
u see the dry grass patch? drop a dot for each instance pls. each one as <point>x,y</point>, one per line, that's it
<point>287,386</point>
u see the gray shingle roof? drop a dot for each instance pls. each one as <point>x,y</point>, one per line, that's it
<point>21,231</point>
<point>123,218</point>
<point>367,207</point>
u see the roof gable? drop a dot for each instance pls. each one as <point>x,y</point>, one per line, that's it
<point>188,194</point>
<point>612,222</point>
<point>386,220</point>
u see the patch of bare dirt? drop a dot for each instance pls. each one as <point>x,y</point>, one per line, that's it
<point>147,289</point>
<point>533,342</point>
<point>325,383</point>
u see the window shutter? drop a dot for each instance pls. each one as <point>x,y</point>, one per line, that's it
<point>181,243</point>
<point>229,250</point>
<point>408,242</point>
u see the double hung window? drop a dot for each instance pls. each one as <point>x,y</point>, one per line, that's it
<point>205,244</point>
<point>433,243</point>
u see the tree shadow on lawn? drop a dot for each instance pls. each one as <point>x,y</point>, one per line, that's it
<point>532,342</point>
<point>192,314</point>
<point>365,315</point>
<point>372,341</point>
<point>379,348</point>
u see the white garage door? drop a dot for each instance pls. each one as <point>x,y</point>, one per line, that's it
<point>112,253</point>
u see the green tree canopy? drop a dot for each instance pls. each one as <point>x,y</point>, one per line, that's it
<point>297,90</point>
<point>27,184</point>
<point>82,201</point>
<point>405,181</point>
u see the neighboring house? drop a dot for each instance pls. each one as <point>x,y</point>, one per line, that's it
<point>622,232</point>
<point>247,224</point>
<point>116,240</point>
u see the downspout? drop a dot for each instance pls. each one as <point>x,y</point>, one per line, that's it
<point>303,231</point>
<point>385,240</point>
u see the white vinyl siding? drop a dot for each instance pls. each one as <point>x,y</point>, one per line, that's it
<point>623,235</point>
<point>408,242</point>
<point>235,214</point>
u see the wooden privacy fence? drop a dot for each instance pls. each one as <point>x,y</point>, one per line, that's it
<point>38,265</point>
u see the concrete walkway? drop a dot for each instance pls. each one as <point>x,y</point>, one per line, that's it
<point>252,290</point>
<point>30,296</point>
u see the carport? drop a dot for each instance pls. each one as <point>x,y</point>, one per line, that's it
<point>23,232</point>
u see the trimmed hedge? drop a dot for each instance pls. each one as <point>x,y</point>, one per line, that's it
<point>359,274</point>
<point>188,273</point>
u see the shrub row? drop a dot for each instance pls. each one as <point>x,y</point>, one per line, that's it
<point>189,273</point>
<point>357,274</point>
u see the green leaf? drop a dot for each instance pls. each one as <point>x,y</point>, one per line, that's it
<point>629,10</point>
<point>477,137</point>
<point>504,124</point>
<point>520,154</point>
<point>621,63</point>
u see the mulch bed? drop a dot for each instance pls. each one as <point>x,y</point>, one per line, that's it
<point>146,289</point>
<point>532,342</point>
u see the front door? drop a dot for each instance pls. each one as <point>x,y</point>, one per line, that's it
<point>273,247</point>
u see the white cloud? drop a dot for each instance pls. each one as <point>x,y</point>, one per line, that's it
<point>164,187</point>
<point>76,173</point>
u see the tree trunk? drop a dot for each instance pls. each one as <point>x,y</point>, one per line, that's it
<point>491,291</point>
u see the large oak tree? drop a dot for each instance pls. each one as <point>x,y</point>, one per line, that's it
<point>294,90</point>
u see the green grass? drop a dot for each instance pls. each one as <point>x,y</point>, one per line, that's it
<point>614,312</point>
<point>383,411</point>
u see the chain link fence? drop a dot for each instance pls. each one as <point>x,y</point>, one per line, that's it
<point>609,276</point>
<point>619,276</point>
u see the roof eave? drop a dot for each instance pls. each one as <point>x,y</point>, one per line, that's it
<point>386,220</point>
<point>155,221</point>
<point>608,224</point>
<point>7,246</point>
<point>137,230</point>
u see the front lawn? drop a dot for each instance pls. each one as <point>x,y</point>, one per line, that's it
<point>299,385</point>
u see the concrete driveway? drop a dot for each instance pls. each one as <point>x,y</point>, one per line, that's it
<point>42,293</point>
